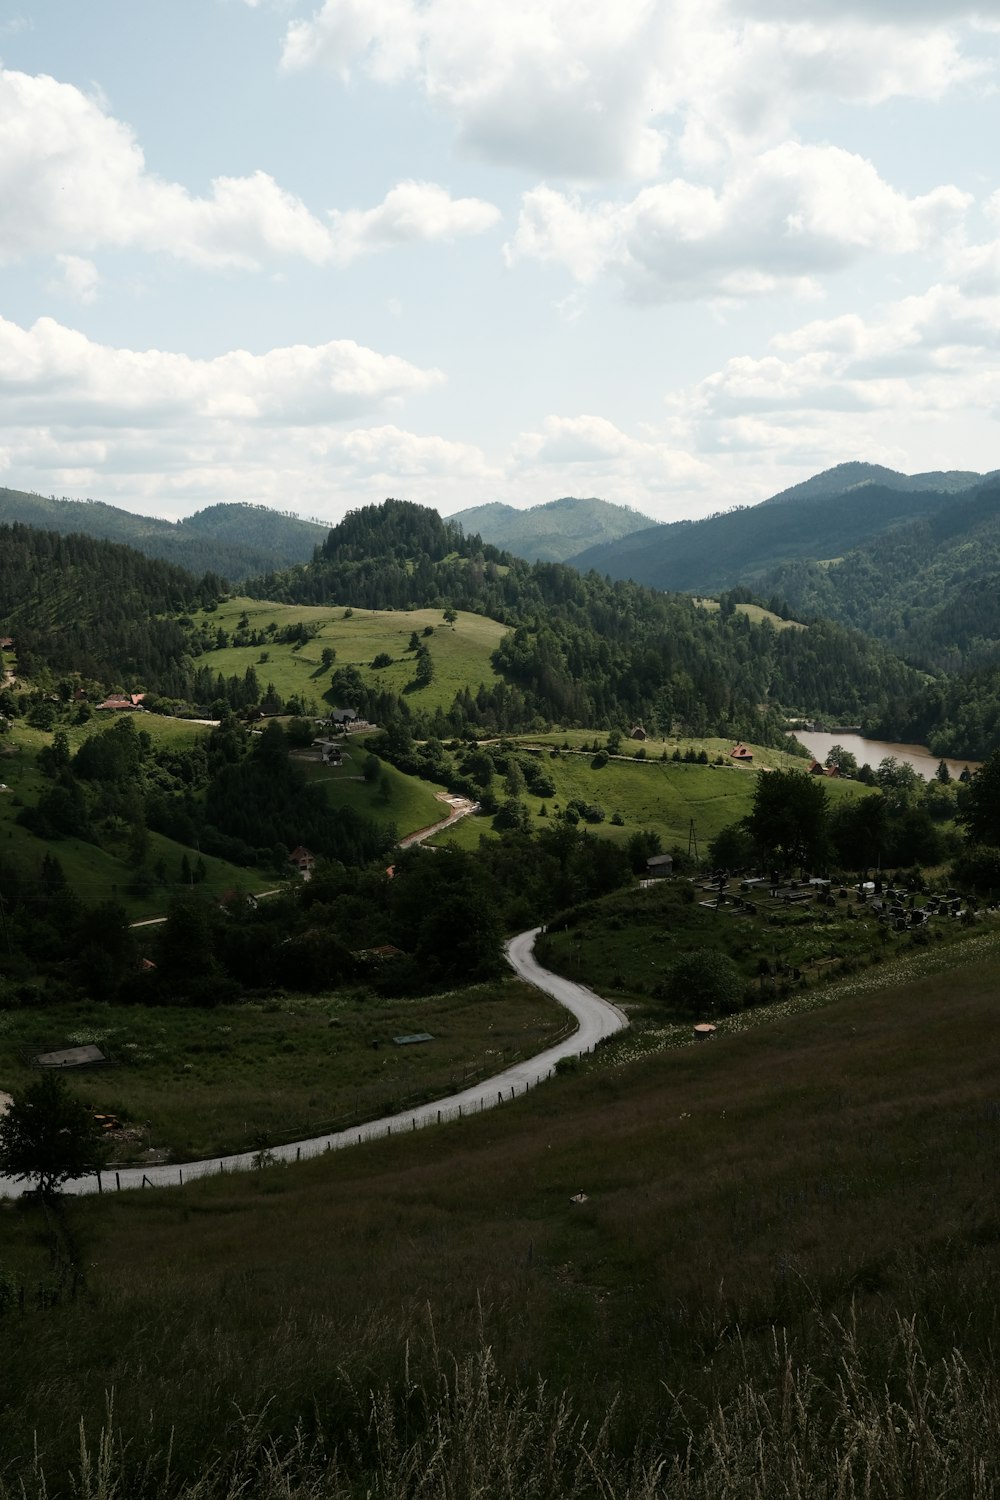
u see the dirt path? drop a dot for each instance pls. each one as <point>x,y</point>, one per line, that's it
<point>461,807</point>
<point>596,1020</point>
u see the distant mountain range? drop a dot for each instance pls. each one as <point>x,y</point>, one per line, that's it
<point>233,541</point>
<point>930,587</point>
<point>820,519</point>
<point>553,532</point>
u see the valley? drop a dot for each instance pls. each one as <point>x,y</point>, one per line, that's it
<point>649,1215</point>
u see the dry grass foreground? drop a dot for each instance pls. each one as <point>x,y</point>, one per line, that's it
<point>748,1201</point>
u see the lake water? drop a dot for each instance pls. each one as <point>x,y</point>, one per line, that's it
<point>873,751</point>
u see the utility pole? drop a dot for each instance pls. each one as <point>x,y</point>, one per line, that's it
<point>693,842</point>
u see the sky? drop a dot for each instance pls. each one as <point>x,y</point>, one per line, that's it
<point>678,254</point>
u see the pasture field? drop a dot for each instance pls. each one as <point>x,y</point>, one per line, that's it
<point>200,1083</point>
<point>754,612</point>
<point>103,873</point>
<point>762,1216</point>
<point>665,796</point>
<point>405,802</point>
<point>460,653</point>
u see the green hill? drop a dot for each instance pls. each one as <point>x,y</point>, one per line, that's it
<point>584,650</point>
<point>552,532</point>
<point>231,540</point>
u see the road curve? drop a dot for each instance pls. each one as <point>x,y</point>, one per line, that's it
<point>596,1020</point>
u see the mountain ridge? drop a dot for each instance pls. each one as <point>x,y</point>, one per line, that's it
<point>554,530</point>
<point>233,539</point>
<point>821,518</point>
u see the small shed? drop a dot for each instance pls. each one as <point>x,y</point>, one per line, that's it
<point>660,866</point>
<point>637,733</point>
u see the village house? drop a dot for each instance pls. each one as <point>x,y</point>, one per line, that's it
<point>818,769</point>
<point>660,866</point>
<point>119,701</point>
<point>303,859</point>
<point>740,753</point>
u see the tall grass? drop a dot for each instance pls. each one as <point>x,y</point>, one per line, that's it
<point>457,1429</point>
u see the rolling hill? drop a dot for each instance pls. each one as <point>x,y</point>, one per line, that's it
<point>552,532</point>
<point>230,540</point>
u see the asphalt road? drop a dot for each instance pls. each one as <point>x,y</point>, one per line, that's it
<point>596,1020</point>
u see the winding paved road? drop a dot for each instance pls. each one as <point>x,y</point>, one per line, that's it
<point>596,1018</point>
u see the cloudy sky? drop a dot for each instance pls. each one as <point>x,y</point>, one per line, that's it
<point>675,253</point>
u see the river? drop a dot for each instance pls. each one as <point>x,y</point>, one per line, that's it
<point>873,751</point>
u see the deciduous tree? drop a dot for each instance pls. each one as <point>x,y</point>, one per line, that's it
<point>48,1135</point>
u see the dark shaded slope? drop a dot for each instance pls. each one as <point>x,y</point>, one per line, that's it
<point>822,518</point>
<point>231,540</point>
<point>76,604</point>
<point>930,589</point>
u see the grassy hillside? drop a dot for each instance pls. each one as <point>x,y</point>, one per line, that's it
<point>663,795</point>
<point>101,874</point>
<point>194,1083</point>
<point>460,653</point>
<point>759,1214</point>
<point>404,802</point>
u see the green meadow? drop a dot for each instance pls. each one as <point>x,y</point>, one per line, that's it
<point>193,1083</point>
<point>666,796</point>
<point>103,873</point>
<point>405,802</point>
<point>754,612</point>
<point>460,653</point>
<point>780,1278</point>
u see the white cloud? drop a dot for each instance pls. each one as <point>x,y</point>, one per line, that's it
<point>910,13</point>
<point>781,218</point>
<point>901,388</point>
<point>582,89</point>
<point>78,278</point>
<point>71,175</point>
<point>53,373</point>
<point>566,84</point>
<point>590,455</point>
<point>168,432</point>
<point>411,211</point>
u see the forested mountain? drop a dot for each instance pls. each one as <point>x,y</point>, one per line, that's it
<point>930,589</point>
<point>552,532</point>
<point>231,540</point>
<point>75,604</point>
<point>586,650</point>
<point>952,715</point>
<point>820,519</point>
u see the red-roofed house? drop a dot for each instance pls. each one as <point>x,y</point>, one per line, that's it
<point>741,753</point>
<point>303,859</point>
<point>119,701</point>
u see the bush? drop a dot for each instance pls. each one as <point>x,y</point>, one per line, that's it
<point>705,982</point>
